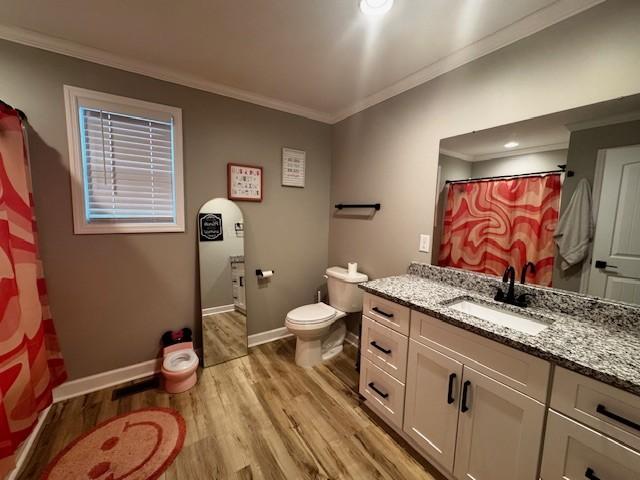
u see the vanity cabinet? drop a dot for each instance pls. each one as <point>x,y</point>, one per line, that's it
<point>453,411</point>
<point>499,431</point>
<point>477,408</point>
<point>432,402</point>
<point>593,431</point>
<point>573,451</point>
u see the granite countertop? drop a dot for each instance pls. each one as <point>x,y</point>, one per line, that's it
<point>608,351</point>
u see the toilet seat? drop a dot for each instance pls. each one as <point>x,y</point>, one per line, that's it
<point>311,314</point>
<point>180,360</point>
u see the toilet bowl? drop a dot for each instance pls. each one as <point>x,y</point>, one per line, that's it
<point>312,324</point>
<point>319,328</point>
<point>179,367</point>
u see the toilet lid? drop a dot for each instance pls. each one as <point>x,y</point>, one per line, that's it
<point>312,313</point>
<point>180,360</point>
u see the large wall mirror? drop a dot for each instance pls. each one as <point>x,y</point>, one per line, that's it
<point>222,281</point>
<point>559,193</point>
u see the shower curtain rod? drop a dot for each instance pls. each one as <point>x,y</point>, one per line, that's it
<point>23,116</point>
<point>562,169</point>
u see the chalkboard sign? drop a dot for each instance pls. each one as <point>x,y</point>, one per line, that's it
<point>210,227</point>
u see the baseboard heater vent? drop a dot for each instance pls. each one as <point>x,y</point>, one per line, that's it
<point>150,383</point>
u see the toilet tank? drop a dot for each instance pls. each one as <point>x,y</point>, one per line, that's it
<point>344,293</point>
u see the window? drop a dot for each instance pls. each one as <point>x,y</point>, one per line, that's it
<point>125,162</point>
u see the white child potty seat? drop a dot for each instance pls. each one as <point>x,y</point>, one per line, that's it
<point>180,360</point>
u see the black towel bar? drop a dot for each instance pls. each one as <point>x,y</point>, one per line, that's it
<point>375,206</point>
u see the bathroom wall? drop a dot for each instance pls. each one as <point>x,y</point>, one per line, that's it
<point>389,152</point>
<point>517,164</point>
<point>582,156</point>
<point>112,296</point>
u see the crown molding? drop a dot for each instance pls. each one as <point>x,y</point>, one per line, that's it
<point>533,23</point>
<point>458,155</point>
<point>603,122</point>
<point>527,26</point>
<point>76,50</point>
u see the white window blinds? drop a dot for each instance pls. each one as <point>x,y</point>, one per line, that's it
<point>128,167</point>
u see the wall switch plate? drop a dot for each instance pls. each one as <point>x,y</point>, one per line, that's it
<point>425,243</point>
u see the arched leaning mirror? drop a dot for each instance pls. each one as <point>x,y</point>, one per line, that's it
<point>222,281</point>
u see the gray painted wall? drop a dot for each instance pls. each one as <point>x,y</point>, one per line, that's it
<point>517,164</point>
<point>389,152</point>
<point>112,296</point>
<point>582,156</point>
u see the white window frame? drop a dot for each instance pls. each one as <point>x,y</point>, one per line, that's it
<point>74,98</point>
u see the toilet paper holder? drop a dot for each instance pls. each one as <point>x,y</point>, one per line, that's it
<point>264,274</point>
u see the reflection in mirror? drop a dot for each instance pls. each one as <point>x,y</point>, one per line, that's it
<point>556,197</point>
<point>222,281</point>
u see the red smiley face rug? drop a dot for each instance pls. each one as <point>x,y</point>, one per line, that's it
<point>138,445</point>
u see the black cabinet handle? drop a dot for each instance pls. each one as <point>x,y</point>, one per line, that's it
<point>384,314</point>
<point>450,398</point>
<point>625,421</point>
<point>379,392</point>
<point>383,350</point>
<point>465,388</point>
<point>590,474</point>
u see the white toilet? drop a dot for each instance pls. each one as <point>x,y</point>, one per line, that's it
<point>319,328</point>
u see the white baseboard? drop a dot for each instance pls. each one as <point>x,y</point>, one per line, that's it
<point>268,336</point>
<point>220,309</point>
<point>352,338</point>
<point>92,383</point>
<point>23,451</point>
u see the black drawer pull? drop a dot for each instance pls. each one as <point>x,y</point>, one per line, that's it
<point>450,398</point>
<point>590,474</point>
<point>383,350</point>
<point>625,421</point>
<point>379,392</point>
<point>465,388</point>
<point>384,314</point>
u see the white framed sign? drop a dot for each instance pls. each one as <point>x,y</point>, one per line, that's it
<point>293,167</point>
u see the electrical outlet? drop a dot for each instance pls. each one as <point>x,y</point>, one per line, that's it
<point>425,243</point>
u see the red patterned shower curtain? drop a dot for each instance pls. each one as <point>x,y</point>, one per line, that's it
<point>490,224</point>
<point>30,360</point>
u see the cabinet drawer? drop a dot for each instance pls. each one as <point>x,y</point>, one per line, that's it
<point>518,370</point>
<point>575,452</point>
<point>384,393</point>
<point>385,348</point>
<point>387,313</point>
<point>596,404</point>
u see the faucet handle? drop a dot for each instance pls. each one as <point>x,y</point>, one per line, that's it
<point>521,301</point>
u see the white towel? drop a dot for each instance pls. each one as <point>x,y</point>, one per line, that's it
<point>575,228</point>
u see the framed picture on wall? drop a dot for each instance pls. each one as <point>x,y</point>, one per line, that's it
<point>244,182</point>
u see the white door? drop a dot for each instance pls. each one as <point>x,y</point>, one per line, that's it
<point>499,431</point>
<point>431,402</point>
<point>615,268</point>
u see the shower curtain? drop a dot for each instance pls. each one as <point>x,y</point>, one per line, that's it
<point>30,360</point>
<point>491,224</point>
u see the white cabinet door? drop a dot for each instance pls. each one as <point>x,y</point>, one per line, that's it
<point>431,402</point>
<point>499,431</point>
<point>575,452</point>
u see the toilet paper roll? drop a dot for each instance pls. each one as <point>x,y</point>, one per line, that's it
<point>352,268</point>
<point>267,273</point>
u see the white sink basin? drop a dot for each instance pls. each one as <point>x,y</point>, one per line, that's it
<point>500,317</point>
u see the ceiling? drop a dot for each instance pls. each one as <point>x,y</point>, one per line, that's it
<point>319,58</point>
<point>545,133</point>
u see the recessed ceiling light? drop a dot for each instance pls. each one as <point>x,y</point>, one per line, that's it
<point>511,144</point>
<point>375,7</point>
